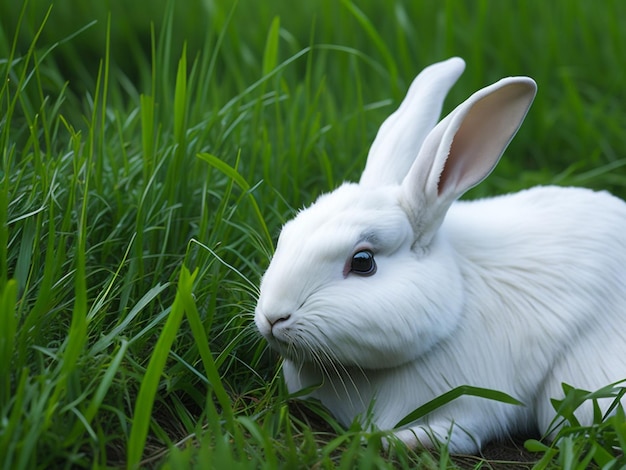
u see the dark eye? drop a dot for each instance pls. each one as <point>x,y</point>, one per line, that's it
<point>363,263</point>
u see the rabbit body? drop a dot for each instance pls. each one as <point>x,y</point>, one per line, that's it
<point>535,309</point>
<point>516,293</point>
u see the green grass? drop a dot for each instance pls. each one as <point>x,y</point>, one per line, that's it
<point>151,151</point>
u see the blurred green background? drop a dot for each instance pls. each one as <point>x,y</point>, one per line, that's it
<point>573,49</point>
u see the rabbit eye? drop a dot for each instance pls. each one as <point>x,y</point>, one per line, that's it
<point>363,263</point>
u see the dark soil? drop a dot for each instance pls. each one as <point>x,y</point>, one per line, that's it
<point>500,455</point>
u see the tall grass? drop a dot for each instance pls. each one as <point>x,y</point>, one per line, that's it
<point>150,152</point>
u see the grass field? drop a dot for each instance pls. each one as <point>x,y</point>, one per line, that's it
<point>152,150</point>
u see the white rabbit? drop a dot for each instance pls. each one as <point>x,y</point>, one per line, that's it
<point>388,293</point>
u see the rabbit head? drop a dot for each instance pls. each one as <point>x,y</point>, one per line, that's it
<point>362,277</point>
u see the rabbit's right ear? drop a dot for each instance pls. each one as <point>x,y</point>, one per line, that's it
<point>462,150</point>
<point>401,135</point>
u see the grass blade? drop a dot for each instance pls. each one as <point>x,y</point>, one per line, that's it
<point>270,56</point>
<point>14,419</point>
<point>98,397</point>
<point>202,342</point>
<point>150,382</point>
<point>453,394</point>
<point>373,34</point>
<point>180,99</point>
<point>234,175</point>
<point>8,327</point>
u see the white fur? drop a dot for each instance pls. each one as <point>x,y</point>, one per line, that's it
<point>517,293</point>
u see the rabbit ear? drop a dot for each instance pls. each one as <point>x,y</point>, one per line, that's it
<point>401,135</point>
<point>462,150</point>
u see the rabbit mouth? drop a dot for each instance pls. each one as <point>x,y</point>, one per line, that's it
<point>300,349</point>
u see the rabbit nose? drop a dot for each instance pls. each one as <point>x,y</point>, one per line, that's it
<point>283,318</point>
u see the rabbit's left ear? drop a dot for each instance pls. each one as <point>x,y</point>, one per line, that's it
<point>462,150</point>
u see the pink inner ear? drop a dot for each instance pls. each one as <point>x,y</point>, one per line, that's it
<point>483,135</point>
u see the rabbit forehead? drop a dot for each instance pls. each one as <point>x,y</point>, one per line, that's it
<point>339,221</point>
